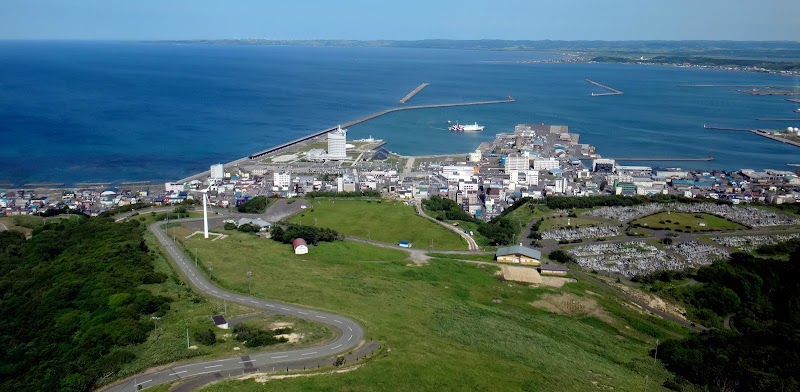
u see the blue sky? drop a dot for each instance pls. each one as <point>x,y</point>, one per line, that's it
<point>401,19</point>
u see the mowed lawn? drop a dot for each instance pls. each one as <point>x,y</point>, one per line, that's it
<point>387,221</point>
<point>689,222</point>
<point>445,326</point>
<point>565,223</point>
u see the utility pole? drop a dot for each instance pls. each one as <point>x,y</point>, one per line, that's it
<point>155,326</point>
<point>195,257</point>
<point>188,347</point>
<point>655,356</point>
<point>249,287</point>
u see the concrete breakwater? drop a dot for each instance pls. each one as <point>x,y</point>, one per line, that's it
<point>758,132</point>
<point>279,147</point>
<point>770,92</point>
<point>651,159</point>
<point>612,91</point>
<point>414,92</point>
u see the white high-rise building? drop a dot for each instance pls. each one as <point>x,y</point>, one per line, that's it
<point>545,163</point>
<point>337,144</point>
<point>560,185</point>
<point>282,179</point>
<point>518,163</point>
<point>217,172</point>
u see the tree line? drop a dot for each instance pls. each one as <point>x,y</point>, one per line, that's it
<point>256,205</point>
<point>311,234</point>
<point>755,305</point>
<point>71,301</point>
<point>367,193</point>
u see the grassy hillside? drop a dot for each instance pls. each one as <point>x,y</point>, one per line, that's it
<point>447,325</point>
<point>386,221</point>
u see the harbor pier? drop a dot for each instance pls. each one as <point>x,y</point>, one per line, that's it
<point>759,132</point>
<point>726,128</point>
<point>413,93</point>
<point>280,147</point>
<point>770,92</point>
<point>612,91</point>
<point>651,159</point>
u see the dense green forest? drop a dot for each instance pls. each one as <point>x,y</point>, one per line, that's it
<point>70,303</point>
<point>757,348</point>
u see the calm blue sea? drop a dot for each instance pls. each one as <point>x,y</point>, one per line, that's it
<point>103,111</point>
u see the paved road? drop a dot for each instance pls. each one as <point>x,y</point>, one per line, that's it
<point>472,245</point>
<point>350,333</point>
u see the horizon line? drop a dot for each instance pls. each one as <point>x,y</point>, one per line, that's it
<point>389,40</point>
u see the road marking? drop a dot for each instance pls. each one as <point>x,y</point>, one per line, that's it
<point>174,373</point>
<point>309,353</point>
<point>337,321</point>
<point>335,347</point>
<point>350,328</point>
<point>350,338</point>
<point>322,317</point>
<point>284,308</point>
<point>213,291</point>
<point>144,382</point>
<point>213,366</point>
<point>280,356</point>
<point>253,302</point>
<point>252,360</point>
<point>271,306</point>
<point>303,313</point>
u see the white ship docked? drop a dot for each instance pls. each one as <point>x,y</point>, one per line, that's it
<point>466,128</point>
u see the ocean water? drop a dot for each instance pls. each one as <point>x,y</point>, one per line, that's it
<point>106,112</point>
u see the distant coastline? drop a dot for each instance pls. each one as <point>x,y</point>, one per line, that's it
<point>778,57</point>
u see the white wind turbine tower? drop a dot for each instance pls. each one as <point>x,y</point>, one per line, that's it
<point>205,209</point>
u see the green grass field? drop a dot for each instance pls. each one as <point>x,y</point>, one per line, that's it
<point>680,220</point>
<point>167,343</point>
<point>387,221</point>
<point>446,325</point>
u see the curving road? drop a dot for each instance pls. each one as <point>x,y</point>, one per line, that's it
<point>471,244</point>
<point>350,333</point>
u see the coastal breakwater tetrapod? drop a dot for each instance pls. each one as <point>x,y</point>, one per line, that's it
<point>414,92</point>
<point>612,91</point>
<point>279,147</point>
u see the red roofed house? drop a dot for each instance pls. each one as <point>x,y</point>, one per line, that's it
<point>300,246</point>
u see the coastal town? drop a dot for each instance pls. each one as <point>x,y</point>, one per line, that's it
<point>532,161</point>
<point>535,161</point>
<point>388,196</point>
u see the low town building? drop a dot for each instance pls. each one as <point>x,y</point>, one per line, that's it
<point>518,254</point>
